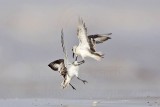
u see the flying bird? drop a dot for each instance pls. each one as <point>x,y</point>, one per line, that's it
<point>73,72</point>
<point>86,46</point>
<point>58,65</point>
<point>73,68</point>
<point>61,65</point>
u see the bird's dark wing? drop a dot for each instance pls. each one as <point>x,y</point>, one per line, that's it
<point>99,38</point>
<point>92,44</point>
<point>57,64</point>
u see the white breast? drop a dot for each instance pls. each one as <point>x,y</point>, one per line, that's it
<point>73,71</point>
<point>83,52</point>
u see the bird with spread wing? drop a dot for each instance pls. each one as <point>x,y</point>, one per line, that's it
<point>86,46</point>
<point>61,65</point>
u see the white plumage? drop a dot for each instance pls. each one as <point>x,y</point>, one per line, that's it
<point>61,65</point>
<point>58,65</point>
<point>84,49</point>
<point>72,72</point>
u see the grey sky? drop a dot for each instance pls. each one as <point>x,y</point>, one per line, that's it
<point>30,39</point>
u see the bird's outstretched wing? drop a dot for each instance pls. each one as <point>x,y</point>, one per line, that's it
<point>99,38</point>
<point>96,39</point>
<point>57,65</point>
<point>64,49</point>
<point>82,34</point>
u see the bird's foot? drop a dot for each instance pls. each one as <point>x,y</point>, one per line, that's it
<point>83,61</point>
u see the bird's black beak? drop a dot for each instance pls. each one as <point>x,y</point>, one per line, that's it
<point>73,54</point>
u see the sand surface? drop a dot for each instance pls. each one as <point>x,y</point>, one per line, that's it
<point>136,102</point>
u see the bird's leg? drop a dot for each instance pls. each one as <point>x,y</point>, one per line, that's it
<point>81,62</point>
<point>84,81</point>
<point>72,86</point>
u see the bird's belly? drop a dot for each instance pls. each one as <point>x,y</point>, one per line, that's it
<point>73,71</point>
<point>84,52</point>
<point>72,74</point>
